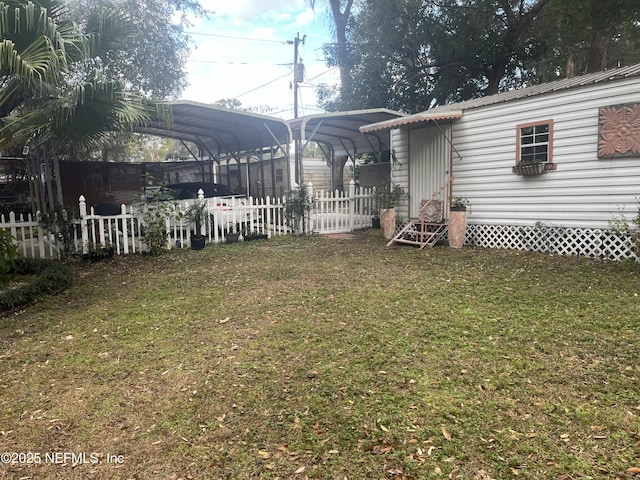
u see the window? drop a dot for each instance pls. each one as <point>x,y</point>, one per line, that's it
<point>279,175</point>
<point>535,142</point>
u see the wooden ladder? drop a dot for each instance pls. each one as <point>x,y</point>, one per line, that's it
<point>422,232</point>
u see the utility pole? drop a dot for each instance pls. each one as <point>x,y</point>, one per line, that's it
<point>298,77</point>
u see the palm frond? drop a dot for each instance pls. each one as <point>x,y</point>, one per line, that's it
<point>106,29</point>
<point>47,92</point>
<point>33,69</point>
<point>39,61</point>
<point>84,118</point>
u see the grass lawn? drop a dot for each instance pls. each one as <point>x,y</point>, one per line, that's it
<point>332,359</point>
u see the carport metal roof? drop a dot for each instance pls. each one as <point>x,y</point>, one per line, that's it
<point>340,131</point>
<point>220,131</point>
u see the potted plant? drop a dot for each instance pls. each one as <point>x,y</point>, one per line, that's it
<point>197,214</point>
<point>248,234</point>
<point>386,199</point>
<point>458,221</point>
<point>459,204</point>
<point>232,237</point>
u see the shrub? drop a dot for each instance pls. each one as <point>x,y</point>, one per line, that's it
<point>51,278</point>
<point>297,207</point>
<point>62,226</point>
<point>8,256</point>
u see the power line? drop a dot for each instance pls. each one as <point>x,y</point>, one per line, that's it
<point>241,63</point>
<point>236,37</point>
<point>323,73</point>
<point>264,85</point>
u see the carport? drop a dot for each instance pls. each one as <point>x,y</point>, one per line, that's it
<point>340,138</point>
<point>231,136</point>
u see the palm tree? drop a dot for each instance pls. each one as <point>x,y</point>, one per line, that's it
<point>51,89</point>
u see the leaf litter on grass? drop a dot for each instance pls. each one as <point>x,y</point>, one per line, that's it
<point>332,359</point>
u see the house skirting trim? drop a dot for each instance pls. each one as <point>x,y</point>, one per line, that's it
<point>548,238</point>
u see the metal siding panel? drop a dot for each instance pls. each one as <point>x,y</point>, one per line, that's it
<point>584,191</point>
<point>400,167</point>
<point>429,168</point>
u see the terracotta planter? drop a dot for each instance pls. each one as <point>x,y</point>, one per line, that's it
<point>457,228</point>
<point>388,222</point>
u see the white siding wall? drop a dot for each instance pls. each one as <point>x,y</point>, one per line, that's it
<point>583,192</point>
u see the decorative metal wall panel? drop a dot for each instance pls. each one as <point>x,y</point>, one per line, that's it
<point>619,131</point>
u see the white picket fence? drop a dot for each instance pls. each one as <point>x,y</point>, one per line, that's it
<point>32,240</point>
<point>336,212</point>
<point>124,232</point>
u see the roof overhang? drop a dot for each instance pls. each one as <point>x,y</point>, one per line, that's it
<point>411,120</point>
<point>220,131</point>
<point>341,131</point>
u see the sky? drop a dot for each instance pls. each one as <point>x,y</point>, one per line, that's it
<point>242,52</point>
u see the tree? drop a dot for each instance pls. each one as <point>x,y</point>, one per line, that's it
<point>49,89</point>
<point>151,58</point>
<point>429,52</point>
<point>412,55</point>
<point>515,38</point>
<point>341,11</point>
<point>339,53</point>
<point>52,96</point>
<point>584,36</point>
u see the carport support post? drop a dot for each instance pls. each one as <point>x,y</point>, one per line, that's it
<point>352,205</point>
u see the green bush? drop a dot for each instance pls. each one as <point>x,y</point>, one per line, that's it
<point>62,226</point>
<point>8,256</point>
<point>51,278</point>
<point>297,207</point>
<point>154,221</point>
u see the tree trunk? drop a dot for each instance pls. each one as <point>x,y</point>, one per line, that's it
<point>495,77</point>
<point>570,68</point>
<point>340,19</point>
<point>597,56</point>
<point>337,172</point>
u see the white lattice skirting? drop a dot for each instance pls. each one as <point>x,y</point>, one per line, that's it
<point>554,239</point>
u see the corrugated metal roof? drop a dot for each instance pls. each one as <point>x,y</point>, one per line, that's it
<point>544,88</point>
<point>427,116</point>
<point>218,130</point>
<point>341,130</point>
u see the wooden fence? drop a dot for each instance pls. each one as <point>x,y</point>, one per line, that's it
<point>124,231</point>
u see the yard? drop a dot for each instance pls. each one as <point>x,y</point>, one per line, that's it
<point>327,358</point>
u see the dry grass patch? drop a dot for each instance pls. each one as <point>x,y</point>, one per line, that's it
<point>329,358</point>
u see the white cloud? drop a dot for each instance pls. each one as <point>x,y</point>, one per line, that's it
<point>249,10</point>
<point>305,18</point>
<point>227,63</point>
